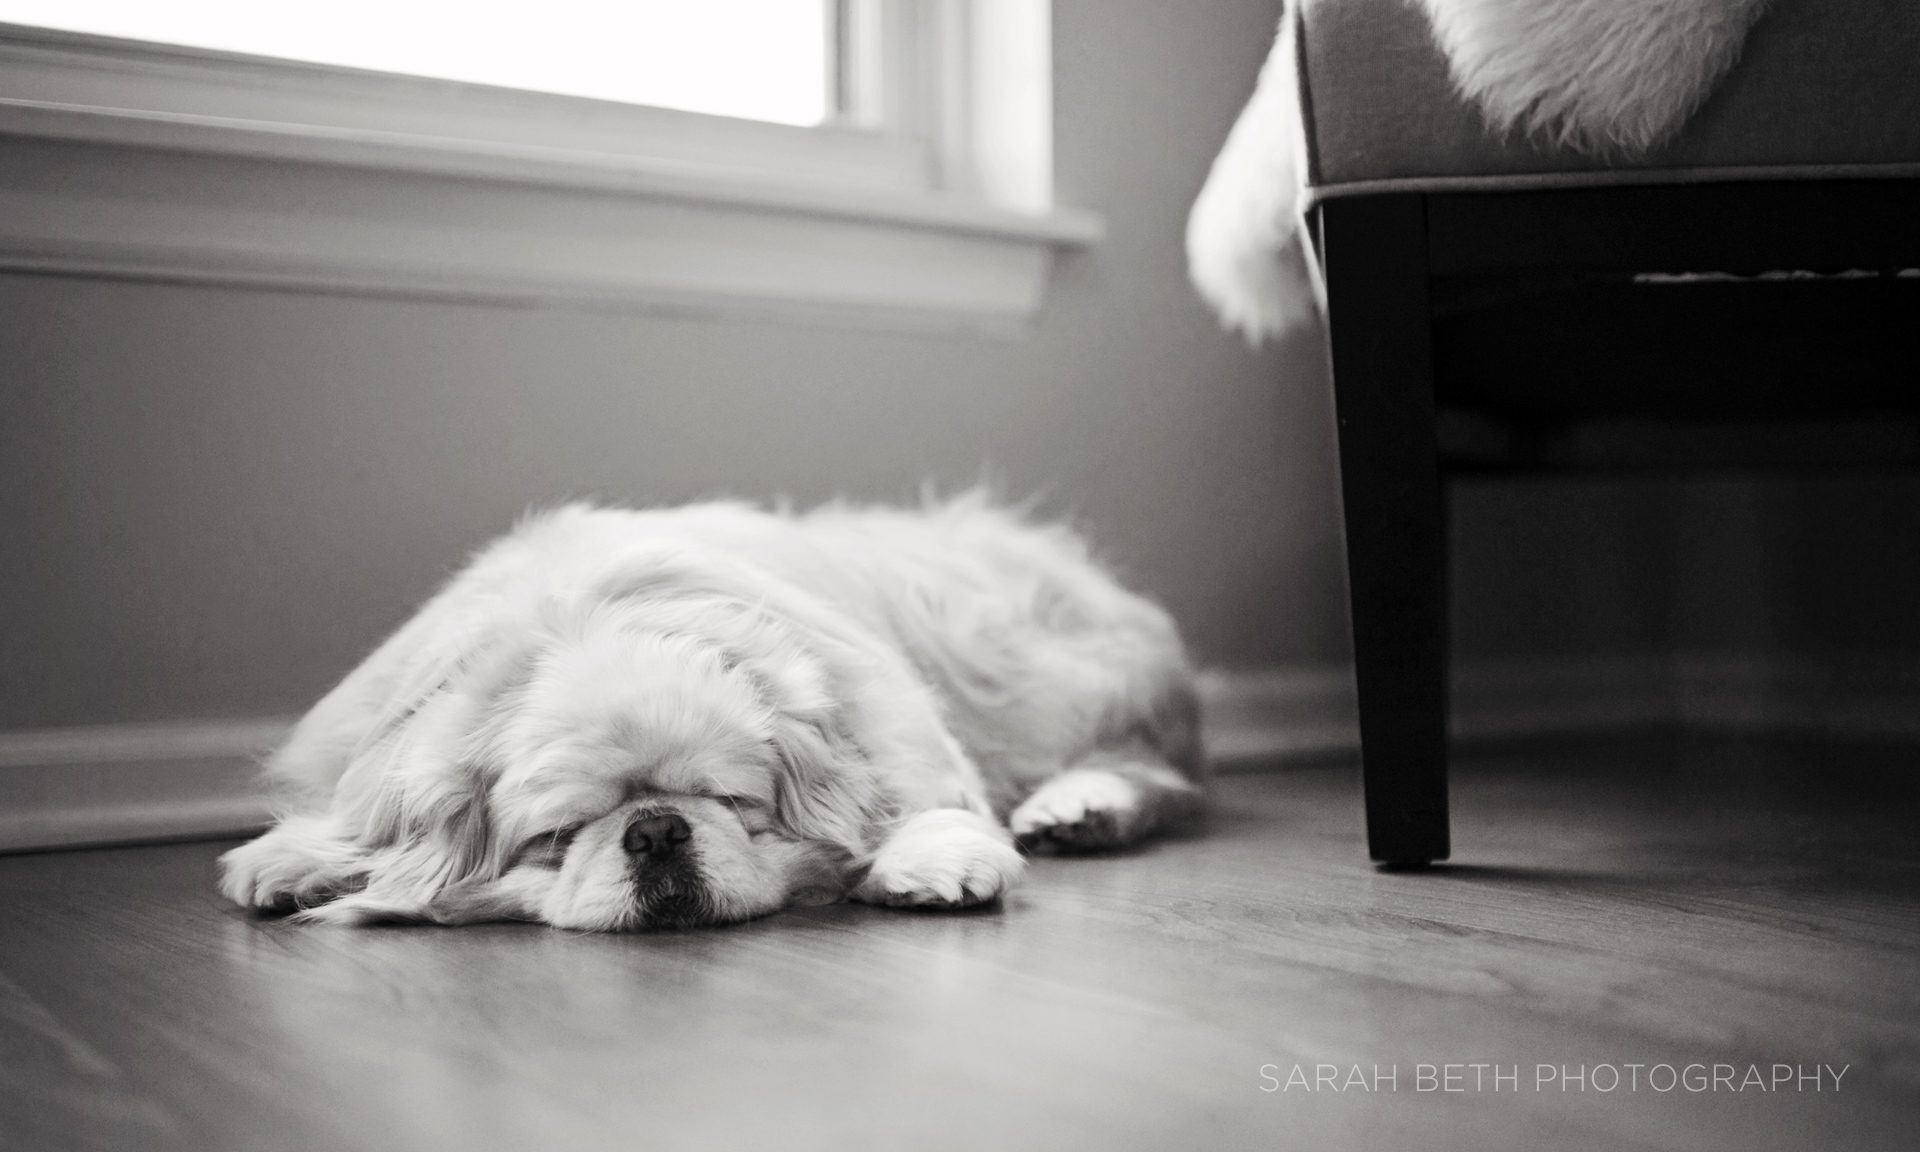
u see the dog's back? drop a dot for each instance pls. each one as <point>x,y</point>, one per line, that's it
<point>1039,654</point>
<point>1042,657</point>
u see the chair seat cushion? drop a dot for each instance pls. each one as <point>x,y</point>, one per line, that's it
<point>1822,88</point>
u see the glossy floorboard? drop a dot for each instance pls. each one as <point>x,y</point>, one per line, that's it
<point>1678,900</point>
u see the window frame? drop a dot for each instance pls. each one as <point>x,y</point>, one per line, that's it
<point>153,161</point>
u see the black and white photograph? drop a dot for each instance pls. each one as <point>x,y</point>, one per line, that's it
<point>1338,575</point>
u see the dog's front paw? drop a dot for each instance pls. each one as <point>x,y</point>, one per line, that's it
<point>297,864</point>
<point>1084,810</point>
<point>945,858</point>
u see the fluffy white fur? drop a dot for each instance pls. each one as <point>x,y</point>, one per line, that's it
<point>847,703</point>
<point>1246,249</point>
<point>1609,77</point>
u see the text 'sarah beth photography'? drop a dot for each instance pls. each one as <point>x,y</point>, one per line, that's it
<point>1628,1077</point>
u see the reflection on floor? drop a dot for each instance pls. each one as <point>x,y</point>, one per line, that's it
<point>1662,902</point>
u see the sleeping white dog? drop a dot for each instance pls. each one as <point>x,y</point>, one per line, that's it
<point>624,720</point>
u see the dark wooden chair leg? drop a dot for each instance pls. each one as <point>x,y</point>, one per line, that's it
<point>1374,255</point>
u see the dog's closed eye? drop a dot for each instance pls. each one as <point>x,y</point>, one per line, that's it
<point>754,814</point>
<point>546,850</point>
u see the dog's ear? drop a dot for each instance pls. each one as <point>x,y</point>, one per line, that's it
<point>414,802</point>
<point>823,781</point>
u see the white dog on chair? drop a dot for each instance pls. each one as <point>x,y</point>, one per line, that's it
<point>624,720</point>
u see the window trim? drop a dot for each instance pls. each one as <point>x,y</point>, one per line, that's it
<point>120,158</point>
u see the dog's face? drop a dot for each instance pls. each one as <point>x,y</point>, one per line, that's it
<point>653,780</point>
<point>664,754</point>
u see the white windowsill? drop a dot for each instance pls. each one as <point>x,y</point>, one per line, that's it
<point>132,160</point>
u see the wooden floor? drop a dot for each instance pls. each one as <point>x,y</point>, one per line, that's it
<point>1679,901</point>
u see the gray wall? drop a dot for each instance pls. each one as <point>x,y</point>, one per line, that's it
<point>1780,567</point>
<point>212,502</point>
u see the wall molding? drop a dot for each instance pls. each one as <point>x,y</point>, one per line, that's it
<point>1263,714</point>
<point>120,783</point>
<point>1259,716</point>
<point>148,162</point>
<point>142,782</point>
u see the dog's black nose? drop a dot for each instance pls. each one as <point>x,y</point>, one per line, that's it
<point>658,836</point>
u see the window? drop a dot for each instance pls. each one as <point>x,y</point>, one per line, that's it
<point>756,59</point>
<point>865,159</point>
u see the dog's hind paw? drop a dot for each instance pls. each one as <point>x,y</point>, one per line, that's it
<point>1083,810</point>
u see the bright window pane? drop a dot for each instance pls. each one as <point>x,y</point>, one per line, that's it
<point>759,59</point>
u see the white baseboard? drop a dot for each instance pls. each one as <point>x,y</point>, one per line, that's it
<point>126,783</point>
<point>119,783</point>
<point>1261,715</point>
<point>1266,713</point>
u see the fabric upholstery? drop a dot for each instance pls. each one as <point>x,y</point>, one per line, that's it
<point>1823,87</point>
